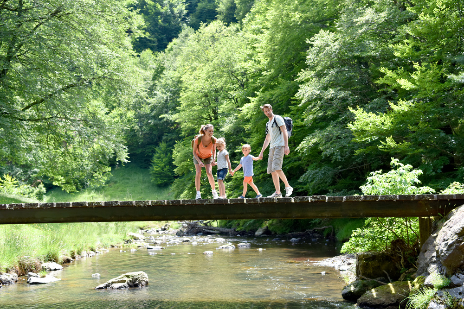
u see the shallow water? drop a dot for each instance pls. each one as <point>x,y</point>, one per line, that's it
<point>181,276</point>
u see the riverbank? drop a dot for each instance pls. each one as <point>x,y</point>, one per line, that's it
<point>25,247</point>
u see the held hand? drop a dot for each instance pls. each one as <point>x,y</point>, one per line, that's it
<point>214,163</point>
<point>260,156</point>
<point>286,150</point>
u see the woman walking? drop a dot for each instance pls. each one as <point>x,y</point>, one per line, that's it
<point>204,155</point>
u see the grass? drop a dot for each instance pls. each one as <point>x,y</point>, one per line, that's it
<point>128,183</point>
<point>24,246</point>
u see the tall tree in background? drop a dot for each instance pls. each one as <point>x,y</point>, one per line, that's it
<point>67,78</point>
<point>163,19</point>
<point>422,123</point>
<point>204,13</point>
<point>343,64</point>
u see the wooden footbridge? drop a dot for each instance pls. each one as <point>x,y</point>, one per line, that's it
<point>299,207</point>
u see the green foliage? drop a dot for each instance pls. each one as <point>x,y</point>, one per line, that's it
<point>401,180</point>
<point>243,225</point>
<point>379,233</point>
<point>204,13</point>
<point>422,121</point>
<point>52,241</point>
<point>67,79</point>
<point>454,188</point>
<point>164,20</point>
<point>127,183</point>
<point>162,168</point>
<point>438,281</point>
<point>49,242</point>
<point>9,185</point>
<point>421,298</point>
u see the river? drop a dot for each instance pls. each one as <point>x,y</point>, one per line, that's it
<point>271,273</point>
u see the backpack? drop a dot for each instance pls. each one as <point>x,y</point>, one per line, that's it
<point>288,124</point>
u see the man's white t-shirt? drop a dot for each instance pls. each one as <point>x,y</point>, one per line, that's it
<point>277,138</point>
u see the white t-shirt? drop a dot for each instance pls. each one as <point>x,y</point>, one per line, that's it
<point>277,138</point>
<point>221,159</point>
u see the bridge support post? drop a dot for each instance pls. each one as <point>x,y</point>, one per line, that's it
<point>425,229</point>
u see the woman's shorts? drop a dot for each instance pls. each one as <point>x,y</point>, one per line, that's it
<point>248,179</point>
<point>276,158</point>
<point>221,174</point>
<point>205,161</point>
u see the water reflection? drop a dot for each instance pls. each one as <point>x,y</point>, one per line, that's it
<point>268,274</point>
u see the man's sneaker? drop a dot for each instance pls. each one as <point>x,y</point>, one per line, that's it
<point>288,191</point>
<point>259,195</point>
<point>275,194</point>
<point>215,195</point>
<point>241,196</point>
<point>198,197</point>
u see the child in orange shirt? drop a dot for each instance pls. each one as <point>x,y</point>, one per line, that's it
<point>247,163</point>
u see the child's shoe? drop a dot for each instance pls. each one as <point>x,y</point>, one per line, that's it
<point>215,195</point>
<point>288,191</point>
<point>259,195</point>
<point>241,196</point>
<point>198,197</point>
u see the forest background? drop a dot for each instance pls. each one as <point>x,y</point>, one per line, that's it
<point>86,86</point>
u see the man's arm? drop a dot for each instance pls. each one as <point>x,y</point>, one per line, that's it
<point>267,140</point>
<point>283,129</point>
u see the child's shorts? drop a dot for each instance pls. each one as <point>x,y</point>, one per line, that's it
<point>221,174</point>
<point>248,179</point>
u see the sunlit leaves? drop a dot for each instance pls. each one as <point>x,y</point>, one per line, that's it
<point>67,75</point>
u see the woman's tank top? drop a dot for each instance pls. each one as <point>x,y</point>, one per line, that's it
<point>204,152</point>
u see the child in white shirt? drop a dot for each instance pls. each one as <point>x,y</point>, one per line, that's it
<point>223,165</point>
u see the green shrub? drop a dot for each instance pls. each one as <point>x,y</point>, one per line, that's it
<point>378,233</point>
<point>9,185</point>
<point>421,298</point>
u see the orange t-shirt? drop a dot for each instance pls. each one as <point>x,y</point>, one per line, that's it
<point>204,152</point>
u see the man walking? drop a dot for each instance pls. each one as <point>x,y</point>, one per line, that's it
<point>277,137</point>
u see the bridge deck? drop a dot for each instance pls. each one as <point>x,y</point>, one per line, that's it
<point>300,207</point>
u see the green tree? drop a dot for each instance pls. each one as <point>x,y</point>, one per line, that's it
<point>163,19</point>
<point>342,67</point>
<point>162,168</point>
<point>67,79</point>
<point>204,13</point>
<point>422,121</point>
<point>226,11</point>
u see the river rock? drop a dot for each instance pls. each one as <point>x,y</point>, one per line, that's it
<point>136,236</point>
<point>7,279</point>
<point>128,280</point>
<point>262,231</point>
<point>244,245</point>
<point>370,265</point>
<point>51,266</point>
<point>389,296</point>
<point>357,288</point>
<point>443,252</point>
<point>41,280</point>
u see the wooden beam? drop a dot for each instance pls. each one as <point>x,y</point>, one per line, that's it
<point>304,207</point>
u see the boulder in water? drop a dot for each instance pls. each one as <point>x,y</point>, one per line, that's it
<point>125,281</point>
